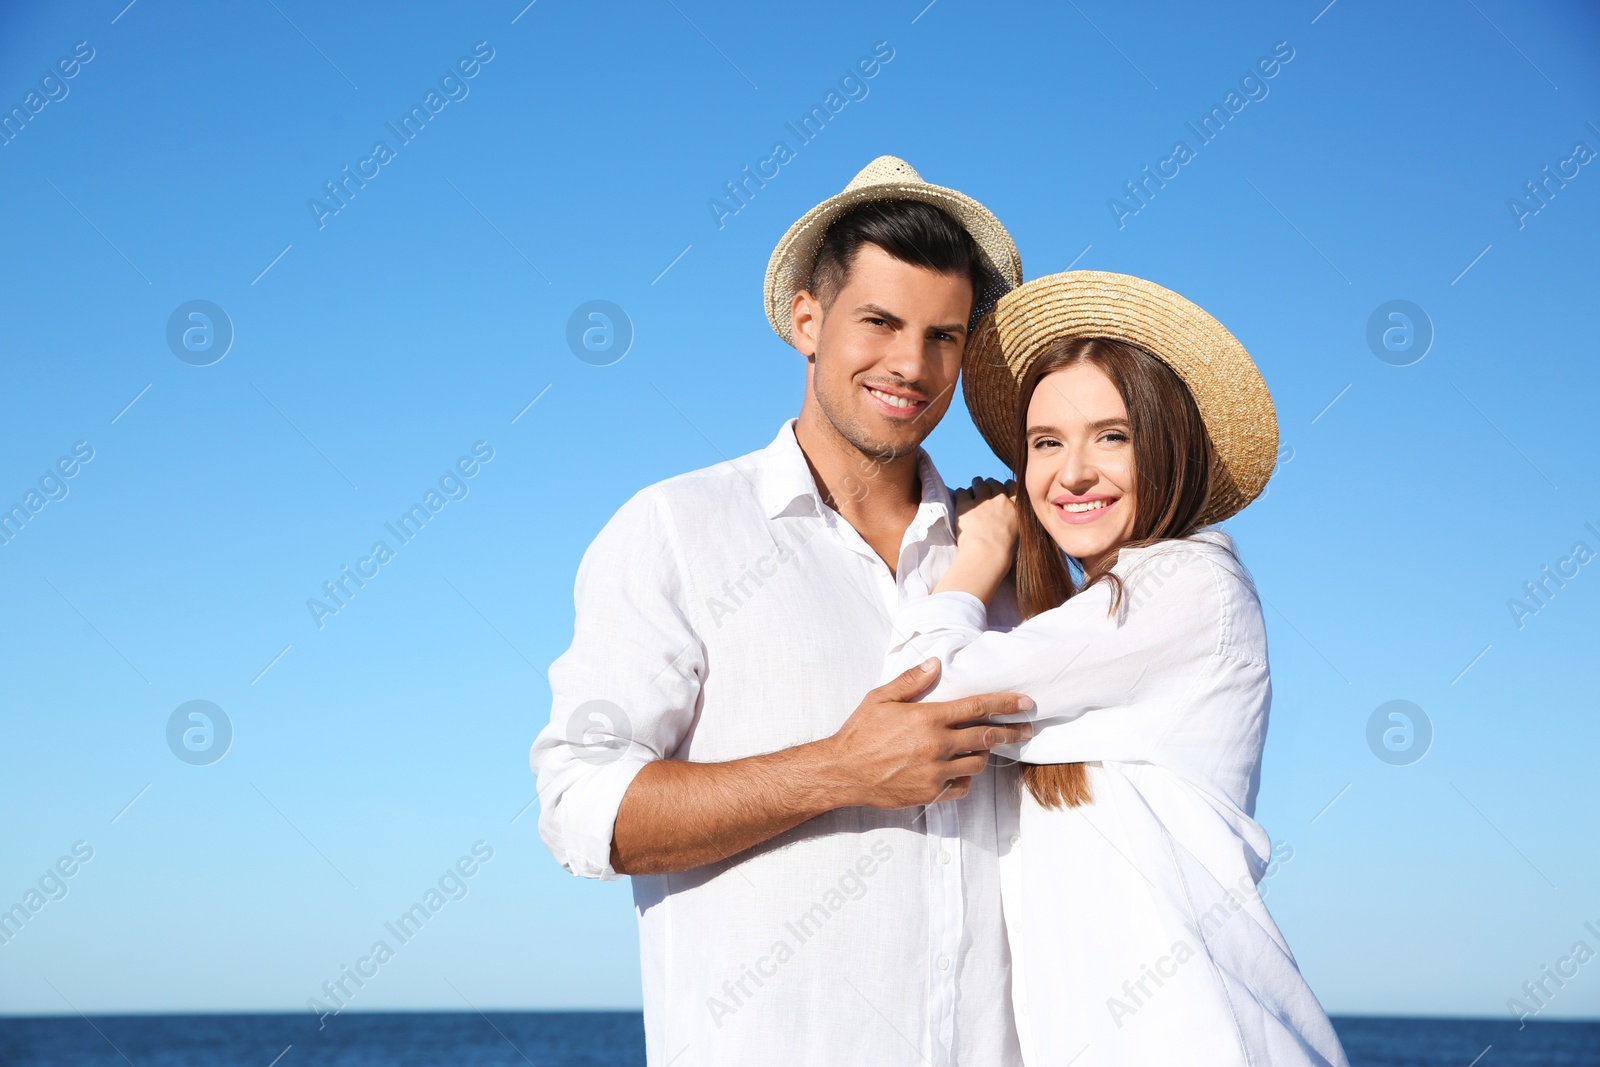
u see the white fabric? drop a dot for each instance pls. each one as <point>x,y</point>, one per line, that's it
<point>1138,935</point>
<point>728,612</point>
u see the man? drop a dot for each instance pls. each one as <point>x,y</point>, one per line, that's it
<point>815,872</point>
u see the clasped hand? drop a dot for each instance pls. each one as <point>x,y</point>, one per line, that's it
<point>988,520</point>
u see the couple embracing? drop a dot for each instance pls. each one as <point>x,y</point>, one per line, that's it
<point>903,775</point>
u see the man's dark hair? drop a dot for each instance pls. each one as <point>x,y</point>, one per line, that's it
<point>909,230</point>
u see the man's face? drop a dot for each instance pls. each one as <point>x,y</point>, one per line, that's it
<point>887,352</point>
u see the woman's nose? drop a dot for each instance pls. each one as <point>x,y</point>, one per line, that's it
<point>1076,475</point>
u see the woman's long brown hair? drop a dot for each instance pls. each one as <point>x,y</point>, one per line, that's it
<point>1172,472</point>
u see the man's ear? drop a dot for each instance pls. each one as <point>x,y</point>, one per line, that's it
<point>805,318</point>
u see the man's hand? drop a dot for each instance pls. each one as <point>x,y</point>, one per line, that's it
<point>897,754</point>
<point>677,815</point>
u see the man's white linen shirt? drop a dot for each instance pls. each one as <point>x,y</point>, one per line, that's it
<point>727,613</point>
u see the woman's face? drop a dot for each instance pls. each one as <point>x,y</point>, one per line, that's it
<point>1079,474</point>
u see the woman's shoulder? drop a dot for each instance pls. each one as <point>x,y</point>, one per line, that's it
<point>1196,559</point>
<point>1201,578</point>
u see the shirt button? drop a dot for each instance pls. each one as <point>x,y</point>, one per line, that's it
<point>1015,840</point>
<point>944,857</point>
<point>944,963</point>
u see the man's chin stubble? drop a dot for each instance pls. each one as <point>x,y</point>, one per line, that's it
<point>851,432</point>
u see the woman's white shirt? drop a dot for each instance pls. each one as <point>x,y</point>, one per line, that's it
<point>1136,927</point>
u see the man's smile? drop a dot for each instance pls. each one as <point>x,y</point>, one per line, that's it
<point>896,403</point>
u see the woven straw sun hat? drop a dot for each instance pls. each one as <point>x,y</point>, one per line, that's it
<point>1228,389</point>
<point>886,178</point>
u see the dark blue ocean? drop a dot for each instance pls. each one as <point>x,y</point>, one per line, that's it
<point>616,1039</point>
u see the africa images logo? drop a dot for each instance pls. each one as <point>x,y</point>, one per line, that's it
<point>452,87</point>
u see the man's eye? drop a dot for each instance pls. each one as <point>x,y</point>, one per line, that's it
<point>942,336</point>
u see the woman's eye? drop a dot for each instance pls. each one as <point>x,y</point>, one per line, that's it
<point>1043,443</point>
<point>1116,436</point>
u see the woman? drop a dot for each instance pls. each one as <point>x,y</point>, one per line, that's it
<point>1132,420</point>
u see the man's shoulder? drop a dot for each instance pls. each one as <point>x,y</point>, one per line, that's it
<point>742,474</point>
<point>730,486</point>
<point>720,493</point>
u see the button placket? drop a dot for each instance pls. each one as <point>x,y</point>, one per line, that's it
<point>945,925</point>
<point>943,825</point>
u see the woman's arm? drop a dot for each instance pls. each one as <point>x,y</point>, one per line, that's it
<point>956,612</point>
<point>1106,686</point>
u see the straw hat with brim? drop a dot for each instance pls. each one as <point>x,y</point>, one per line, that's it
<point>1227,388</point>
<point>886,178</point>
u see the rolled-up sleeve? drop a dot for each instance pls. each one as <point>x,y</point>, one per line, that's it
<point>626,690</point>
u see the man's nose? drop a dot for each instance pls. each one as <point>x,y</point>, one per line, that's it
<point>906,356</point>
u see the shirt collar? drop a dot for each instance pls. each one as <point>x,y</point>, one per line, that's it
<point>937,511</point>
<point>785,475</point>
<point>786,480</point>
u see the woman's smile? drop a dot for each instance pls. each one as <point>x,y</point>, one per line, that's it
<point>1078,510</point>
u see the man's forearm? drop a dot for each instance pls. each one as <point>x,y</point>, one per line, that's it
<point>890,753</point>
<point>678,815</point>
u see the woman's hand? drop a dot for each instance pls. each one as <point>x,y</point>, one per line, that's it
<point>986,518</point>
<point>986,539</point>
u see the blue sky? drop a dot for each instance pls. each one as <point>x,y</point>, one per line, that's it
<point>376,346</point>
